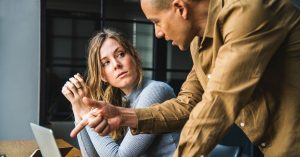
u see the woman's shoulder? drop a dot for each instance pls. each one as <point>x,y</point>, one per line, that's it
<point>157,87</point>
<point>152,84</point>
<point>154,92</point>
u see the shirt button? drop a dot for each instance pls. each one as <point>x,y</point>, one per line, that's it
<point>263,144</point>
<point>242,124</point>
<point>200,47</point>
<point>209,76</point>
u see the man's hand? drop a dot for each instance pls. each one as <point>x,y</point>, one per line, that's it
<point>104,117</point>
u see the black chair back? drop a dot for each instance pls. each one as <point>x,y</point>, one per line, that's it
<point>225,151</point>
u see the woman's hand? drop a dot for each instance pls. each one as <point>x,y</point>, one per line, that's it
<point>74,90</point>
<point>94,120</point>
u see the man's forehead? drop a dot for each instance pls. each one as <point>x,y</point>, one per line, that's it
<point>148,9</point>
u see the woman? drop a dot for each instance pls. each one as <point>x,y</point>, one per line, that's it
<point>115,76</point>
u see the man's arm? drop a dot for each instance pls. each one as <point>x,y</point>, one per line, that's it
<point>172,114</point>
<point>168,116</point>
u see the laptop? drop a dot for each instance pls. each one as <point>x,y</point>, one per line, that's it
<point>46,142</point>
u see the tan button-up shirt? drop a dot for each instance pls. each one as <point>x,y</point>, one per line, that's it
<point>246,71</point>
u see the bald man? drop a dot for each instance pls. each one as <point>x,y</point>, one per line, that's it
<point>246,57</point>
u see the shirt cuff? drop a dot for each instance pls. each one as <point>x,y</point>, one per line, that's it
<point>145,121</point>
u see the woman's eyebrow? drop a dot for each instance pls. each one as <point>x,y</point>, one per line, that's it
<point>118,48</point>
<point>114,52</point>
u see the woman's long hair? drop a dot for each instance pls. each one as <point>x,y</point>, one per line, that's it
<point>101,90</point>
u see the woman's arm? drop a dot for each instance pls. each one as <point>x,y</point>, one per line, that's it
<point>155,92</point>
<point>74,90</point>
<point>85,144</point>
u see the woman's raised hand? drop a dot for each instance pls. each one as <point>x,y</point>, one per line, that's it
<point>74,90</point>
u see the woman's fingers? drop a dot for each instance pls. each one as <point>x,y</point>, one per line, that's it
<point>65,91</point>
<point>79,127</point>
<point>75,82</point>
<point>80,80</point>
<point>101,127</point>
<point>72,87</point>
<point>105,131</point>
<point>99,124</point>
<point>95,121</point>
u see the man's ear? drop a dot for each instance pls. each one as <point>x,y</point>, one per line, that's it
<point>180,6</point>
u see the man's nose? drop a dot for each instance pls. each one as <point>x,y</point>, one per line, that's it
<point>158,32</point>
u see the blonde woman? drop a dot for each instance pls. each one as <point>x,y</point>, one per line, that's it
<point>115,76</point>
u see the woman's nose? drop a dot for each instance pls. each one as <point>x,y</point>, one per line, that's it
<point>117,64</point>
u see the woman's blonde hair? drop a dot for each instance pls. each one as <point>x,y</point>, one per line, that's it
<point>101,90</point>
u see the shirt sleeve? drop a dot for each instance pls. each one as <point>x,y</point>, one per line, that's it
<point>172,114</point>
<point>85,144</point>
<point>132,146</point>
<point>251,37</point>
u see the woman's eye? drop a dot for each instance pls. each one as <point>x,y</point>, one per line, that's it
<point>106,63</point>
<point>121,54</point>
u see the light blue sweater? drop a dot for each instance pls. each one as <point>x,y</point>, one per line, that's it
<point>163,145</point>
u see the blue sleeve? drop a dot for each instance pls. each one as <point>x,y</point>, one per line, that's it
<point>155,92</point>
<point>133,146</point>
<point>85,144</point>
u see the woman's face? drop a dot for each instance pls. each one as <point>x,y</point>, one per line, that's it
<point>118,68</point>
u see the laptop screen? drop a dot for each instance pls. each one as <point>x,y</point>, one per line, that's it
<point>46,141</point>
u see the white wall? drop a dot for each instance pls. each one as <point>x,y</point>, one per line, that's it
<point>19,67</point>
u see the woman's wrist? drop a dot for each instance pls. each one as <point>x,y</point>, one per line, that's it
<point>77,117</point>
<point>80,111</point>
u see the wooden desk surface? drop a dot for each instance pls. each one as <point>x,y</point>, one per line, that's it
<point>24,148</point>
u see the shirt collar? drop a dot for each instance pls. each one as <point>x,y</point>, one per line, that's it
<point>135,93</point>
<point>213,11</point>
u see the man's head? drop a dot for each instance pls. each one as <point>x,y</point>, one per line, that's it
<point>177,21</point>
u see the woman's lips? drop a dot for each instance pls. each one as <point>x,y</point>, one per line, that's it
<point>122,74</point>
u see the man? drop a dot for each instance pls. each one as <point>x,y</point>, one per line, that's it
<point>246,70</point>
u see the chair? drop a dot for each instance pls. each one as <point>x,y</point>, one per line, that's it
<point>225,151</point>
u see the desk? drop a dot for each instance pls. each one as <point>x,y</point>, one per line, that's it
<point>24,148</point>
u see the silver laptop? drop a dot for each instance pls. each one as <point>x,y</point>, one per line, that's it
<point>46,142</point>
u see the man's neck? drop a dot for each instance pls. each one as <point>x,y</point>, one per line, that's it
<point>199,14</point>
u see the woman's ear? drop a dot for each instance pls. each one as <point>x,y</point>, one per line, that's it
<point>103,76</point>
<point>180,7</point>
<point>103,79</point>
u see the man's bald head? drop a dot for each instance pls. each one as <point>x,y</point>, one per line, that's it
<point>162,4</point>
<point>159,4</point>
